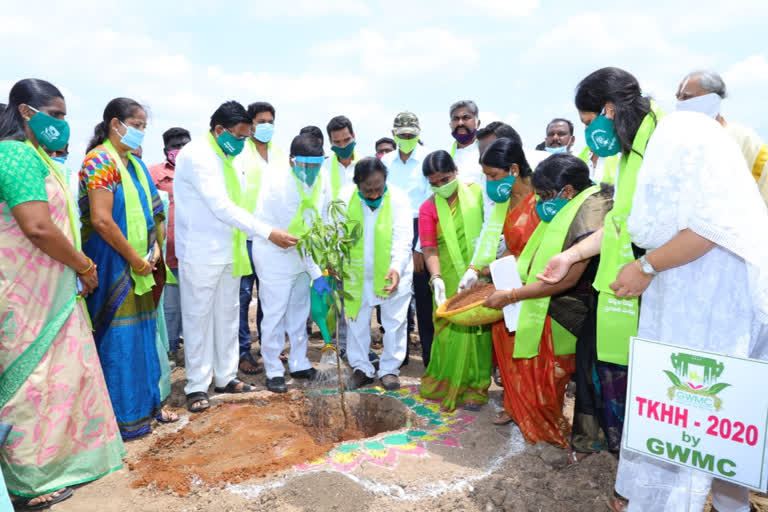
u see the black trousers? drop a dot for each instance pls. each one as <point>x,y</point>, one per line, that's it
<point>422,295</point>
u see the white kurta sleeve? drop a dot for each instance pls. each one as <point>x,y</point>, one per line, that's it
<point>207,180</point>
<point>402,232</point>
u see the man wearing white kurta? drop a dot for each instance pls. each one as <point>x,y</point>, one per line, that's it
<point>394,307</point>
<point>284,276</point>
<point>465,153</point>
<point>206,216</point>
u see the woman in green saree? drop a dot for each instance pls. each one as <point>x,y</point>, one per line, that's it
<point>459,371</point>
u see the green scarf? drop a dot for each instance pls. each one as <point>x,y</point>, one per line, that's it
<point>241,265</point>
<point>382,252</point>
<point>298,226</point>
<point>617,318</point>
<point>136,225</point>
<point>336,176</point>
<point>546,241</point>
<point>610,165</point>
<point>471,204</point>
<point>488,245</point>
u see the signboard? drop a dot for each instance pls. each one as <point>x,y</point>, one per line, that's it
<point>700,410</point>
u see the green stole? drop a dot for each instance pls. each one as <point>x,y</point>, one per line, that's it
<point>470,200</point>
<point>335,176</point>
<point>382,252</point>
<point>298,226</point>
<point>488,245</point>
<point>241,265</point>
<point>610,165</point>
<point>617,318</point>
<point>136,225</point>
<point>546,241</point>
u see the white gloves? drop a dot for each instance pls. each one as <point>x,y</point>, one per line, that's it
<point>438,290</point>
<point>469,280</point>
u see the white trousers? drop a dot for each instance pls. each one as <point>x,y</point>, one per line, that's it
<point>285,303</point>
<point>394,319</point>
<point>210,308</point>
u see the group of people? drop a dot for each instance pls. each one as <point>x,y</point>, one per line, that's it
<point>101,284</point>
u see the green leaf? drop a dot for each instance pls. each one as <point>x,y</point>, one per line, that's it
<point>346,295</point>
<point>674,378</point>
<point>716,388</point>
<point>337,300</point>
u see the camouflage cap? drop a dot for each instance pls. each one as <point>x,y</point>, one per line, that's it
<point>406,123</point>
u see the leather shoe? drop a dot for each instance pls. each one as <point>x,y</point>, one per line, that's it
<point>309,373</point>
<point>390,382</point>
<point>276,385</point>
<point>359,379</point>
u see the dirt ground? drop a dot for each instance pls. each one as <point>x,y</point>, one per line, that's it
<point>437,461</point>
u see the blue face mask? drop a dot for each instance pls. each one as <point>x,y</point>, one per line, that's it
<point>263,132</point>
<point>61,159</point>
<point>549,208</point>
<point>601,136</point>
<point>133,137</point>
<point>373,203</point>
<point>554,151</point>
<point>500,190</point>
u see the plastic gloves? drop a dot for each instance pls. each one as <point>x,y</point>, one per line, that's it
<point>469,280</point>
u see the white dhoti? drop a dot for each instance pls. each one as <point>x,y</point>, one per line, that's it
<point>210,310</point>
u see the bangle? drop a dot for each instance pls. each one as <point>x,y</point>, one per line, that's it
<point>514,295</point>
<point>434,276</point>
<point>140,269</point>
<point>88,269</point>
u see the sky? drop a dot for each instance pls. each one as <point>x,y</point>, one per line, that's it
<point>519,60</point>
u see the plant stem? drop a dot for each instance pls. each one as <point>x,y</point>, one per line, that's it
<point>338,369</point>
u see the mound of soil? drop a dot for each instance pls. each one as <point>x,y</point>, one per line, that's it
<point>467,297</point>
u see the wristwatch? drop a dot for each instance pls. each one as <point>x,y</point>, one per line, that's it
<point>646,267</point>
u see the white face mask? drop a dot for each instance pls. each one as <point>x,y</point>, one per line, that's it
<point>708,104</point>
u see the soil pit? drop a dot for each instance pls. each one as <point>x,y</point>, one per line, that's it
<point>471,296</point>
<point>234,442</point>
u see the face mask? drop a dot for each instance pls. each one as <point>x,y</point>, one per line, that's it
<point>263,132</point>
<point>406,145</point>
<point>447,190</point>
<point>464,138</point>
<point>500,190</point>
<point>230,144</point>
<point>306,168</point>
<point>133,137</point>
<point>601,136</point>
<point>50,132</point>
<point>708,104</point>
<point>345,152</point>
<point>61,159</point>
<point>171,156</point>
<point>373,203</point>
<point>549,208</point>
<point>554,151</point>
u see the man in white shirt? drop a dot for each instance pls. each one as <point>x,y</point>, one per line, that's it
<point>289,201</point>
<point>464,124</point>
<point>259,157</point>
<point>207,191</point>
<point>560,137</point>
<point>404,171</point>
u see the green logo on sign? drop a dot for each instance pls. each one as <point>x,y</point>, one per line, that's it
<point>694,381</point>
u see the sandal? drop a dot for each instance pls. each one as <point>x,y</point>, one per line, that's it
<point>616,503</point>
<point>167,416</point>
<point>23,503</point>
<point>198,397</point>
<point>575,457</point>
<point>248,365</point>
<point>502,419</point>
<point>232,387</point>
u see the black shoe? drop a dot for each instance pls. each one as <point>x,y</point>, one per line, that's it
<point>276,385</point>
<point>342,353</point>
<point>309,373</point>
<point>359,379</point>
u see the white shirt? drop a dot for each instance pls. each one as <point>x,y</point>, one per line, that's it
<point>279,201</point>
<point>205,215</point>
<point>402,236</point>
<point>346,174</point>
<point>468,161</point>
<point>277,162</point>
<point>408,176</point>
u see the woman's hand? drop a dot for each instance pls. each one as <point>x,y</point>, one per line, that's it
<point>498,300</point>
<point>631,281</point>
<point>89,282</point>
<point>156,254</point>
<point>557,268</point>
<point>142,267</point>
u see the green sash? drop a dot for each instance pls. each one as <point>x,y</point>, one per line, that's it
<point>382,252</point>
<point>545,242</point>
<point>335,176</point>
<point>471,205</point>
<point>253,174</point>
<point>617,318</point>
<point>241,265</point>
<point>453,149</point>
<point>610,165</point>
<point>488,245</point>
<point>298,226</point>
<point>136,225</point>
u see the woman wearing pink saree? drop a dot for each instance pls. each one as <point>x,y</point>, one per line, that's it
<point>52,389</point>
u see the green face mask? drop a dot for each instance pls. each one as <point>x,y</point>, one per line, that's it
<point>447,190</point>
<point>52,133</point>
<point>230,144</point>
<point>373,203</point>
<point>407,145</point>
